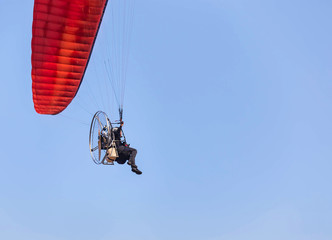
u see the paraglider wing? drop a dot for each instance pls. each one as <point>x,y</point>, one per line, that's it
<point>63,35</point>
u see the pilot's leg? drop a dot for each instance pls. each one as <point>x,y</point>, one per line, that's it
<point>132,153</point>
<point>131,160</point>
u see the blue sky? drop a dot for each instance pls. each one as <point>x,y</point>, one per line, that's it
<point>229,106</point>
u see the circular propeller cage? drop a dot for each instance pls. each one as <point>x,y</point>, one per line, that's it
<point>100,137</point>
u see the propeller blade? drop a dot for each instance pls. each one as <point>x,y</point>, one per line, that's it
<point>99,144</point>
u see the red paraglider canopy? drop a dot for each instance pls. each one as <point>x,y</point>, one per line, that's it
<point>63,35</point>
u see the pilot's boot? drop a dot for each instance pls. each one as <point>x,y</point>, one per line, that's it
<point>135,169</point>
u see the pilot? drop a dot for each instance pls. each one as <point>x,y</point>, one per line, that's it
<point>125,152</point>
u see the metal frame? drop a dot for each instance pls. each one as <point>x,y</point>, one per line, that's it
<point>109,137</point>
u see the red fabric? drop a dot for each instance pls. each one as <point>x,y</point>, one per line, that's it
<point>63,34</point>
